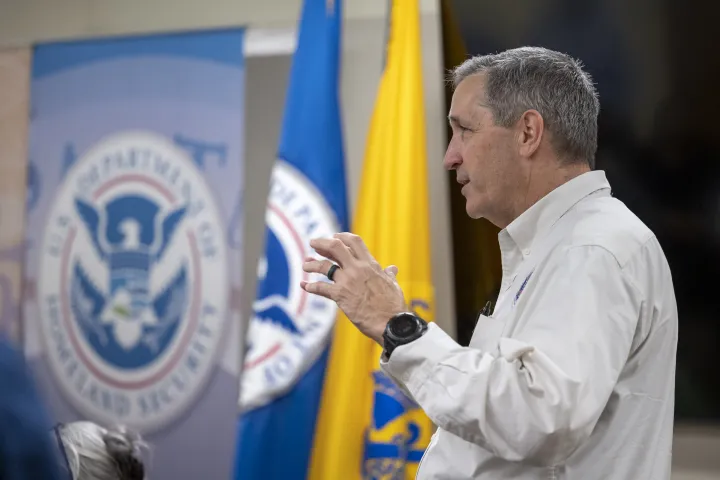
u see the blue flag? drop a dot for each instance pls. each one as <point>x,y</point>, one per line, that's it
<point>287,340</point>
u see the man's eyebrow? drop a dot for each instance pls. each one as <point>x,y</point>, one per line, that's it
<point>459,122</point>
<point>455,120</point>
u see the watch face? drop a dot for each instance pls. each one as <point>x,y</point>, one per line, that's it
<point>404,326</point>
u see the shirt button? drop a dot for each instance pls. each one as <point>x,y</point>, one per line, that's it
<point>526,252</point>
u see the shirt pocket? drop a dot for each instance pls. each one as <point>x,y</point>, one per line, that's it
<point>487,333</point>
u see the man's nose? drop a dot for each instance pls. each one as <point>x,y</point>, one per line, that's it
<point>452,159</point>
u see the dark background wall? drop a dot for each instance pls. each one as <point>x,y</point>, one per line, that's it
<point>656,67</point>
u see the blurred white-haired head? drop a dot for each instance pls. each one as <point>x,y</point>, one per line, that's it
<point>96,453</point>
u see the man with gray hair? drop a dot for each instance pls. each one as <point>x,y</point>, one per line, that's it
<point>572,376</point>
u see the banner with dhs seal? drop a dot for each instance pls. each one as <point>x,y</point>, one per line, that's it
<point>136,157</point>
<point>287,340</point>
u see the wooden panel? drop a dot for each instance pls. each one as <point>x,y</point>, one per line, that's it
<point>14,93</point>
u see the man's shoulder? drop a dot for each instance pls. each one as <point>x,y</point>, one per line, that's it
<point>608,223</point>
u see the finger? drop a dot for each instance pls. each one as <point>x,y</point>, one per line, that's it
<point>322,289</point>
<point>320,266</point>
<point>356,245</point>
<point>333,249</point>
<point>392,270</point>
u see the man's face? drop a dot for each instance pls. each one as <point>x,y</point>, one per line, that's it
<point>484,155</point>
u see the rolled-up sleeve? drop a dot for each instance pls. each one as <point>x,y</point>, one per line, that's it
<point>539,396</point>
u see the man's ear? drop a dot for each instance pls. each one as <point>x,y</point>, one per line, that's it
<point>531,128</point>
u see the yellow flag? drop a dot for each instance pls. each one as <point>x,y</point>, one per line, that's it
<point>367,429</point>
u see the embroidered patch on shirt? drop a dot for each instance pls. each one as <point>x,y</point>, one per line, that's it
<point>522,287</point>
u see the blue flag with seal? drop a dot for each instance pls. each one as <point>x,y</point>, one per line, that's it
<point>136,165</point>
<point>287,340</point>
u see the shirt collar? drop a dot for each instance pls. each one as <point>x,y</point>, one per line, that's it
<point>537,219</point>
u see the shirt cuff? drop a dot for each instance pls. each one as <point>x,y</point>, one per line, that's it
<point>413,363</point>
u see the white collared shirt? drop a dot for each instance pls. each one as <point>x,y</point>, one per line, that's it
<point>573,375</point>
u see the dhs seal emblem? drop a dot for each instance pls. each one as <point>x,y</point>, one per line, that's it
<point>289,328</point>
<point>133,282</point>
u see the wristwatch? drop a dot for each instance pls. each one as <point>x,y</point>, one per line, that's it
<point>402,329</point>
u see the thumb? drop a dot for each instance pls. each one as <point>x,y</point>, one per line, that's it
<point>392,270</point>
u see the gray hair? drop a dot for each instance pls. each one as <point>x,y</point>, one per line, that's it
<point>550,82</point>
<point>96,453</point>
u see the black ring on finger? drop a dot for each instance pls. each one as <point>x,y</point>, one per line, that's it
<point>331,271</point>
